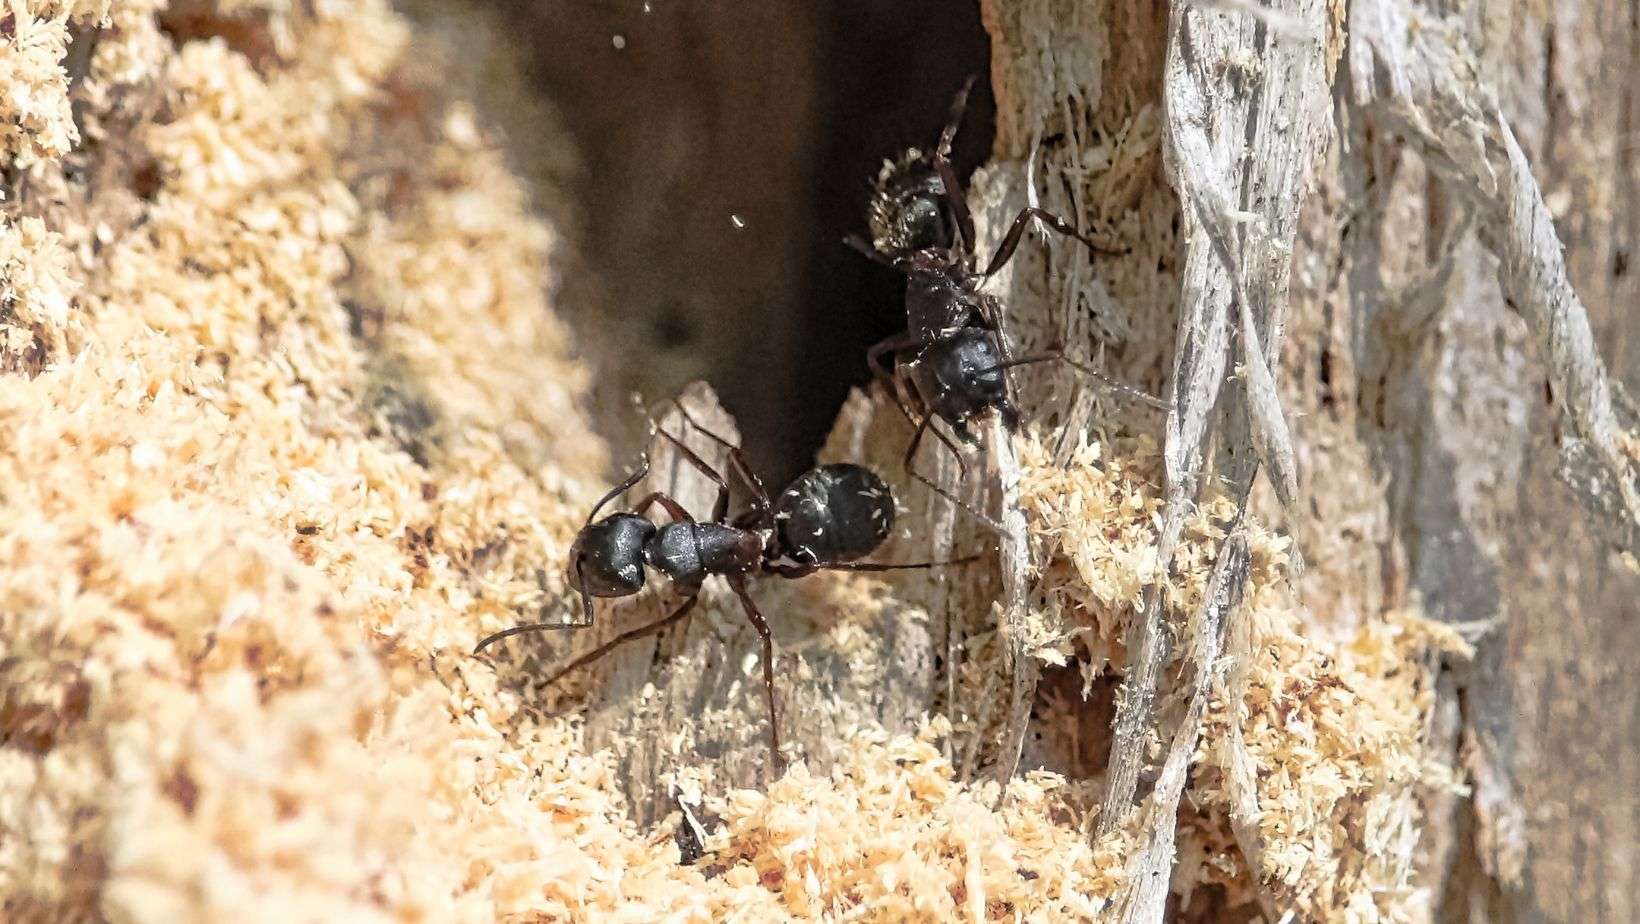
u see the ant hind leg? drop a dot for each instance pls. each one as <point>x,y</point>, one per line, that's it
<point>954,193</point>
<point>762,626</point>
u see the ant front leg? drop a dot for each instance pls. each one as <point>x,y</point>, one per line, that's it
<point>762,626</point>
<point>619,640</point>
<point>908,463</point>
<point>990,313</point>
<point>1010,241</point>
<point>720,508</point>
<point>893,377</point>
<point>890,347</point>
<point>737,461</point>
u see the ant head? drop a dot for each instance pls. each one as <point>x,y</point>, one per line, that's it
<point>607,557</point>
<point>961,376</point>
<point>907,212</point>
<point>834,513</point>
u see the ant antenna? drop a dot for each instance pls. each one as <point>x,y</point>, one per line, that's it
<point>580,576</point>
<point>625,486</point>
<point>1114,387</point>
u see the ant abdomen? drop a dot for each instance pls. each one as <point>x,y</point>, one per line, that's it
<point>834,513</point>
<point>907,208</point>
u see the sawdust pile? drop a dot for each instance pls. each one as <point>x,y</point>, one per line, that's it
<point>1327,733</point>
<point>287,424</point>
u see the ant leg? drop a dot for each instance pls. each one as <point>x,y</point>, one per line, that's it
<point>720,508</point>
<point>737,461</point>
<point>959,104</point>
<point>1010,241</point>
<point>890,345</point>
<point>762,627</point>
<point>697,425</point>
<point>673,508</point>
<point>954,192</point>
<point>990,315</point>
<point>871,253</point>
<point>911,469</point>
<point>760,495</point>
<point>888,373</point>
<point>990,312</point>
<point>797,571</point>
<point>904,390</point>
<point>1110,384</point>
<point>923,423</point>
<point>623,638</point>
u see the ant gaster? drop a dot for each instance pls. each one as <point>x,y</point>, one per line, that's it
<point>951,362</point>
<point>829,517</point>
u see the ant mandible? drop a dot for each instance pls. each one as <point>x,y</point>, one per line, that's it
<point>827,518</point>
<point>951,363</point>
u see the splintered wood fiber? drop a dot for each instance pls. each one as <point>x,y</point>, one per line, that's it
<point>287,423</point>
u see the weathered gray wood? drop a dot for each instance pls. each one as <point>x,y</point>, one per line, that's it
<point>1423,80</point>
<point>1424,419</point>
<point>1150,869</point>
<point>1240,157</point>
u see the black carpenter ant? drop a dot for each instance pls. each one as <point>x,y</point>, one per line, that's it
<point>829,517</point>
<point>951,362</point>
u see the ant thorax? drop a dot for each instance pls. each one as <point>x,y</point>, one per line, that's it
<point>938,304</point>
